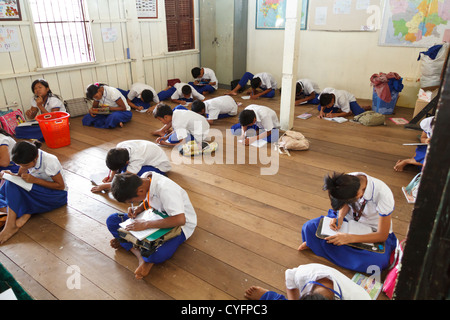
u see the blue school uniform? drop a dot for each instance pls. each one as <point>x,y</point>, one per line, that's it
<point>266,82</point>
<point>9,142</point>
<point>344,101</point>
<point>39,199</point>
<point>266,120</point>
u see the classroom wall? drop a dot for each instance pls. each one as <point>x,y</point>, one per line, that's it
<point>150,60</point>
<point>343,60</point>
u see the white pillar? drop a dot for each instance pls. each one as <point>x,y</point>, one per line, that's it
<point>290,63</point>
<point>134,42</point>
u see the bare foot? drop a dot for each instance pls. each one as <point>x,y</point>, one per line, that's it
<point>254,293</point>
<point>115,243</point>
<point>302,247</point>
<point>143,270</point>
<point>7,233</point>
<point>230,93</point>
<point>121,124</point>
<point>400,165</point>
<point>158,133</point>
<point>366,108</point>
<point>20,222</point>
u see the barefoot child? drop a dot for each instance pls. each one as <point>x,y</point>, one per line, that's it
<point>151,190</point>
<point>48,192</point>
<point>313,282</point>
<point>216,108</point>
<point>262,85</point>
<point>338,103</point>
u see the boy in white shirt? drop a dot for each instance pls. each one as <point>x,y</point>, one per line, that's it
<point>338,103</point>
<point>205,80</point>
<point>180,93</point>
<point>186,125</point>
<point>158,192</point>
<point>306,91</point>
<point>264,81</point>
<point>141,96</point>
<point>259,118</point>
<point>216,108</point>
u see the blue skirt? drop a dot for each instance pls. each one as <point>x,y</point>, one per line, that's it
<point>14,168</point>
<point>346,256</point>
<point>38,200</point>
<point>29,132</point>
<point>163,253</point>
<point>421,152</point>
<point>272,295</point>
<point>106,121</point>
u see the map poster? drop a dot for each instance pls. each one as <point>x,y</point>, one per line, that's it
<point>415,23</point>
<point>271,14</point>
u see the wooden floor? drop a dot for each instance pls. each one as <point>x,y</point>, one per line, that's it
<point>249,225</point>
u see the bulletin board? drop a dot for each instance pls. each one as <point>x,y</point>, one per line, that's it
<point>344,15</point>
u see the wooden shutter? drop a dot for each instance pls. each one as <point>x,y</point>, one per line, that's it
<point>180,24</point>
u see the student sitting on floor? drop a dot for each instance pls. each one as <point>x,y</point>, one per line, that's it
<point>264,81</point>
<point>140,96</point>
<point>313,282</point>
<point>306,91</point>
<point>7,143</point>
<point>338,103</point>
<point>421,151</point>
<point>180,93</point>
<point>48,192</point>
<point>186,124</point>
<point>216,108</point>
<point>261,119</point>
<point>205,80</point>
<point>366,200</point>
<point>110,101</point>
<point>134,156</point>
<point>160,193</point>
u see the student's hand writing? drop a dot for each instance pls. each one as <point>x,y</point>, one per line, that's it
<point>137,225</point>
<point>335,224</point>
<point>340,239</point>
<point>134,211</point>
<point>28,177</point>
<point>330,115</point>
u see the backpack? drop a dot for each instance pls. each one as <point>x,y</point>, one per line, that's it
<point>292,140</point>
<point>370,118</point>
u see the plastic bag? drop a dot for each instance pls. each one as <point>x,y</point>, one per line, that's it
<point>431,69</point>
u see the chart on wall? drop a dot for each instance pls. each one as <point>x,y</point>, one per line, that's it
<point>415,23</point>
<point>344,15</point>
<point>271,14</point>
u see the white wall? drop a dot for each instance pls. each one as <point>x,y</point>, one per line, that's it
<point>343,60</point>
<point>151,61</point>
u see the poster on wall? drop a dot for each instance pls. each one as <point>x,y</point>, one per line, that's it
<point>271,14</point>
<point>10,10</point>
<point>9,39</point>
<point>415,23</point>
<point>147,9</point>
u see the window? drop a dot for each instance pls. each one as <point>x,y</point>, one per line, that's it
<point>180,24</point>
<point>63,32</point>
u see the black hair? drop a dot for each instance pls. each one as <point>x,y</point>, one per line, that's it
<point>45,84</point>
<point>198,106</point>
<point>196,72</point>
<point>92,90</point>
<point>313,297</point>
<point>162,110</point>
<point>186,89</point>
<point>255,82</point>
<point>342,189</point>
<point>124,186</point>
<point>24,152</point>
<point>147,95</point>
<point>246,117</point>
<point>298,88</point>
<point>325,99</point>
<point>117,158</point>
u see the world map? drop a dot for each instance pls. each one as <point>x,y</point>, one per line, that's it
<point>271,14</point>
<point>418,23</point>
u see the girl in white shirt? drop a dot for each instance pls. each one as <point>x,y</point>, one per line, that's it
<point>313,281</point>
<point>156,191</point>
<point>7,143</point>
<point>48,192</point>
<point>110,98</point>
<point>44,100</point>
<point>366,200</point>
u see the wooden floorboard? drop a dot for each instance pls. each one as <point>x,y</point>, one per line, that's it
<point>249,225</point>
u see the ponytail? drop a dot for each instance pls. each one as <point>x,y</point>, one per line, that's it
<point>341,188</point>
<point>25,152</point>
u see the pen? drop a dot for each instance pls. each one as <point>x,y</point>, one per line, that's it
<point>132,209</point>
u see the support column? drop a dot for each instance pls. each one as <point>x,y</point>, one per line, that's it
<point>134,51</point>
<point>290,63</point>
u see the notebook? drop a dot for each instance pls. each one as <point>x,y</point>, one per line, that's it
<point>147,215</point>
<point>336,119</point>
<point>18,180</point>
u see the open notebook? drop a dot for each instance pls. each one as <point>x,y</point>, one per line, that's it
<point>18,180</point>
<point>152,233</point>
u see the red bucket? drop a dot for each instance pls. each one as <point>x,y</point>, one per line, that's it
<point>55,128</point>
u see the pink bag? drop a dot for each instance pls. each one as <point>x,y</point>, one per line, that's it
<point>391,278</point>
<point>11,120</point>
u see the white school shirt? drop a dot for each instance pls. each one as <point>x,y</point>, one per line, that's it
<point>220,105</point>
<point>167,196</point>
<point>178,94</point>
<point>309,86</point>
<point>136,91</point>
<point>47,166</point>
<point>110,96</point>
<point>266,118</point>
<point>7,141</point>
<point>425,124</point>
<point>379,202</point>
<point>267,81</point>
<point>342,98</point>
<point>145,153</point>
<point>185,122</point>
<point>297,278</point>
<point>208,74</point>
<point>51,103</point>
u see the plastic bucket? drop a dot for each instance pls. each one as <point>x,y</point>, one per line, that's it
<point>55,128</point>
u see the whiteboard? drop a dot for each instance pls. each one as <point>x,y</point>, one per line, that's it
<point>344,15</point>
